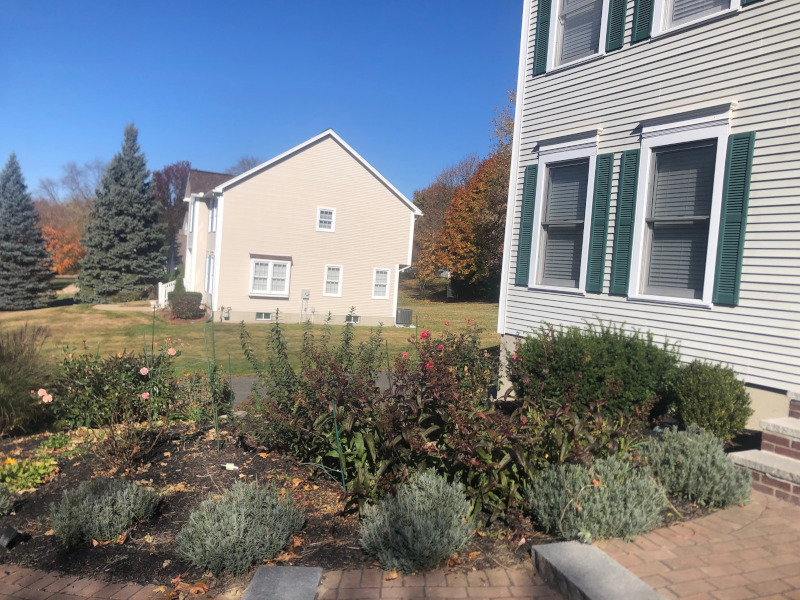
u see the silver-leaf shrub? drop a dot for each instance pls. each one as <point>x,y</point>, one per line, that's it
<point>420,526</point>
<point>692,464</point>
<point>612,498</point>
<point>243,527</point>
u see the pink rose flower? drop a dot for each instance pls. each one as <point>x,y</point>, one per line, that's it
<point>145,396</point>
<point>425,334</point>
<point>32,392</point>
<point>47,398</point>
<point>144,370</point>
<point>41,393</point>
<point>441,347</point>
<point>429,364</point>
<point>405,354</point>
<point>171,352</point>
<point>447,323</point>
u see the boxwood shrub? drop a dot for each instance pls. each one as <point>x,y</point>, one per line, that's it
<point>612,498</point>
<point>186,305</point>
<point>420,526</point>
<point>692,464</point>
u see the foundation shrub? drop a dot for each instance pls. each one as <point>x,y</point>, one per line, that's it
<point>22,369</point>
<point>709,396</point>
<point>102,510</point>
<point>599,362</point>
<point>245,526</point>
<point>692,464</point>
<point>420,526</point>
<point>186,305</point>
<point>612,498</point>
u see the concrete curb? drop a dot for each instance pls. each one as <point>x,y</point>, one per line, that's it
<point>583,572</point>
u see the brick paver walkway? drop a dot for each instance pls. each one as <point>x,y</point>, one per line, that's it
<point>520,582</point>
<point>19,583</point>
<point>736,554</point>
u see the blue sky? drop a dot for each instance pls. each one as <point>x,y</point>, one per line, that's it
<point>410,85</point>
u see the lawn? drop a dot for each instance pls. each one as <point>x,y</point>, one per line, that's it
<point>111,331</point>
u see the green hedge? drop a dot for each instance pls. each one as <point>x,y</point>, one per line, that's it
<point>186,305</point>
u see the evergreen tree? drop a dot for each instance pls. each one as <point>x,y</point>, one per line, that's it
<point>124,245</point>
<point>25,273</point>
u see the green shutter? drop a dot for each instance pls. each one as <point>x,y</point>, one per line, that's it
<point>748,2</point>
<point>642,20</point>
<point>542,37</point>
<point>604,168</point>
<point>526,226</point>
<point>623,228</point>
<point>615,35</point>
<point>733,220</point>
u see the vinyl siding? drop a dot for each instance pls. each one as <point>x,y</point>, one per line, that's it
<point>751,57</point>
<point>275,213</point>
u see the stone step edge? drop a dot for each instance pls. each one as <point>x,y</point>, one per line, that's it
<point>284,583</point>
<point>581,571</point>
<point>774,465</point>
<point>785,427</point>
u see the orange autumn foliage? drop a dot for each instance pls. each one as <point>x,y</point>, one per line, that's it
<point>62,225</point>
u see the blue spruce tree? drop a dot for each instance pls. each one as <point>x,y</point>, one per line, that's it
<point>125,252</point>
<point>25,273</point>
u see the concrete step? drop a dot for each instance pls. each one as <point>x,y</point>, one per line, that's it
<point>583,572</point>
<point>773,474</point>
<point>781,435</point>
<point>284,583</point>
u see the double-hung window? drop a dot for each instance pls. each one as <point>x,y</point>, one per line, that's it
<point>576,30</point>
<point>333,280</point>
<point>380,284</point>
<point>670,14</point>
<point>562,215</point>
<point>208,283</point>
<point>212,214</point>
<point>269,277</point>
<point>326,219</point>
<point>678,202</point>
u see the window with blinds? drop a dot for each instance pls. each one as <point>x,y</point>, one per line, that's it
<point>562,224</point>
<point>579,23</point>
<point>684,11</point>
<point>333,280</point>
<point>678,219</point>
<point>269,278</point>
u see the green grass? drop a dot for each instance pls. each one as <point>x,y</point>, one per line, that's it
<point>84,328</point>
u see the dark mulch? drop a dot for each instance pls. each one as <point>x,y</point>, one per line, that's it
<point>186,468</point>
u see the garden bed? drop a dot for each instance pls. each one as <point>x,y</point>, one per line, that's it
<point>185,469</point>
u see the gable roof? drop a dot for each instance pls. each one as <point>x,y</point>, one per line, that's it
<point>201,182</point>
<point>220,187</point>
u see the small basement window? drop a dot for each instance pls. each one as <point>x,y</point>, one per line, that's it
<point>263,316</point>
<point>354,319</point>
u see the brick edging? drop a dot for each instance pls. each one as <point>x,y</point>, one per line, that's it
<point>778,488</point>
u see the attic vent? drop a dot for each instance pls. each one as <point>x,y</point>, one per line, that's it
<point>403,316</point>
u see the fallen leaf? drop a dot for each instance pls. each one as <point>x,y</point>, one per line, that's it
<point>96,543</point>
<point>167,454</point>
<point>480,533</point>
<point>391,575</point>
<point>453,561</point>
<point>296,481</point>
<point>49,532</point>
<point>316,487</point>
<point>287,555</point>
<point>166,564</point>
<point>521,541</point>
<point>472,556</point>
<point>160,589</point>
<point>172,595</point>
<point>262,454</point>
<point>163,464</point>
<point>297,541</point>
<point>148,538</point>
<point>196,588</point>
<point>176,579</point>
<point>122,537</point>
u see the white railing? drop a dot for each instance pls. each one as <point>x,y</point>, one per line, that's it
<point>163,293</point>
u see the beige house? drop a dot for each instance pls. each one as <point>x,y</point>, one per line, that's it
<point>655,180</point>
<point>313,231</point>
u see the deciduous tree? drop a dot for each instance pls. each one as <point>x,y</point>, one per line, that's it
<point>169,186</point>
<point>125,241</point>
<point>25,272</point>
<point>245,163</point>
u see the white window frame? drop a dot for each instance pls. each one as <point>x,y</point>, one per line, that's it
<point>213,204</point>
<point>333,219</point>
<point>191,216</point>
<point>208,283</point>
<point>661,11</point>
<point>354,319</point>
<point>553,43</point>
<point>325,281</point>
<point>550,155</point>
<point>268,317</point>
<point>375,280</point>
<point>671,134</point>
<point>271,263</point>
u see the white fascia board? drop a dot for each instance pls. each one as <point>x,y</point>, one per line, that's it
<point>327,133</point>
<point>218,253</point>
<point>512,186</point>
